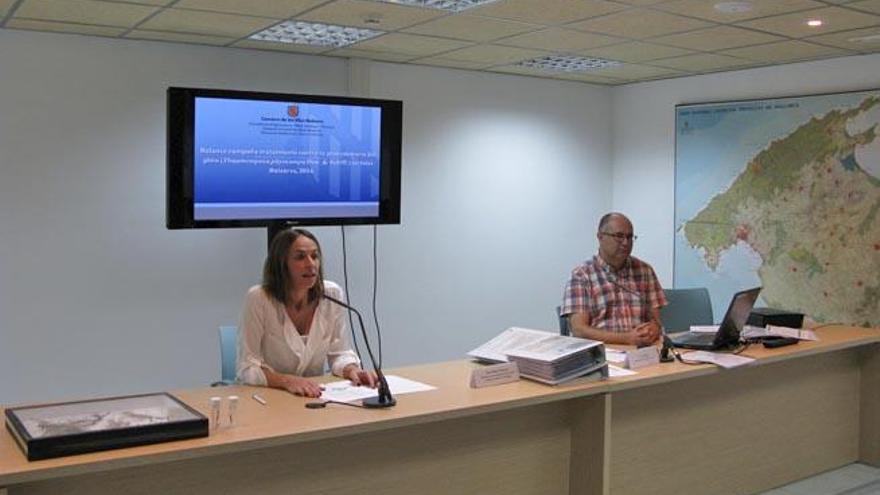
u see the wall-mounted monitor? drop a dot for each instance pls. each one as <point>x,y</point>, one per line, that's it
<point>246,159</point>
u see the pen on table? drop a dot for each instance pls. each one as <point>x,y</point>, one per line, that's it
<point>259,399</point>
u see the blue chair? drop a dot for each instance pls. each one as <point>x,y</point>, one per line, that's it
<point>564,325</point>
<point>686,307</point>
<point>228,355</point>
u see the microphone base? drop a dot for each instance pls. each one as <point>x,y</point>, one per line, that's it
<point>378,402</point>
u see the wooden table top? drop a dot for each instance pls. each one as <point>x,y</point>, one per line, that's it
<point>285,420</point>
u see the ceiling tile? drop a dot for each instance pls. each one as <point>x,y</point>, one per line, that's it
<point>410,44</point>
<point>795,25</point>
<point>494,54</point>
<point>210,23</point>
<point>559,40</point>
<point>161,3</point>
<point>635,51</point>
<point>862,40</point>
<point>641,3</point>
<point>705,9</point>
<point>521,70</point>
<point>786,51</point>
<point>61,27</point>
<point>279,9</point>
<point>381,56</point>
<point>866,5</point>
<point>589,78</point>
<point>280,47</point>
<point>639,23</point>
<point>717,38</point>
<point>549,12</point>
<point>370,15</point>
<point>703,62</point>
<point>471,28</point>
<point>634,71</point>
<point>85,12</point>
<point>199,39</point>
<point>445,62</point>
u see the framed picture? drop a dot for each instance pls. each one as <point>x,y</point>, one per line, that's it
<point>55,430</point>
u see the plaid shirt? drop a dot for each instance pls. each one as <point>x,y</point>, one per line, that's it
<point>614,301</point>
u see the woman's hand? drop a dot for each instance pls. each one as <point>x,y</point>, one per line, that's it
<point>302,386</point>
<point>357,376</point>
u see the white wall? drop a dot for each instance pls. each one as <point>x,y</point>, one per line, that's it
<point>644,134</point>
<point>503,178</point>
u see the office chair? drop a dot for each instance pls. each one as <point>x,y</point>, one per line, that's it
<point>228,354</point>
<point>564,327</point>
<point>686,307</point>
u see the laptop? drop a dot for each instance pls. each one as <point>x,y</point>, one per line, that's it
<point>728,333</point>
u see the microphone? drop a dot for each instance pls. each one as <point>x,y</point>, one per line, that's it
<point>384,399</point>
<point>667,352</point>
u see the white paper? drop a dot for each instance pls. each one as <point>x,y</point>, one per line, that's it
<point>531,344</point>
<point>615,355</point>
<point>616,371</point>
<point>705,328</point>
<point>753,332</point>
<point>797,333</point>
<point>513,338</point>
<point>344,391</point>
<point>725,360</point>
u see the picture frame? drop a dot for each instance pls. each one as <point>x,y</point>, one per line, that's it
<point>60,429</point>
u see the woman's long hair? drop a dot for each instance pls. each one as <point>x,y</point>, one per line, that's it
<point>276,277</point>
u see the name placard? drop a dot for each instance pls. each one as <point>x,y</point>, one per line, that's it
<point>641,358</point>
<point>496,374</point>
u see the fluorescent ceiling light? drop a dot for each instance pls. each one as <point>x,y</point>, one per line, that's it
<point>568,63</point>
<point>814,22</point>
<point>315,34</point>
<point>447,5</point>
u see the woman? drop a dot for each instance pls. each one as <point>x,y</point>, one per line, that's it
<point>288,329</point>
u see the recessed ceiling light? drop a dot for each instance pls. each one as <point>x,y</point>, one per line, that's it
<point>447,5</point>
<point>568,63</point>
<point>315,34</point>
<point>733,7</point>
<point>814,22</point>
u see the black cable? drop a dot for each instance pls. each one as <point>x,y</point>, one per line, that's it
<point>375,290</point>
<point>323,403</point>
<point>347,300</point>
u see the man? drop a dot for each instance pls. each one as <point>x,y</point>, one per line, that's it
<point>614,297</point>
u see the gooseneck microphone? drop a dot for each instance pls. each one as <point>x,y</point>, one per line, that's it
<point>384,399</point>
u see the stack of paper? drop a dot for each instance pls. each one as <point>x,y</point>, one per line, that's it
<point>545,357</point>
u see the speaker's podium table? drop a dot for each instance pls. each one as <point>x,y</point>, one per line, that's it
<point>672,429</point>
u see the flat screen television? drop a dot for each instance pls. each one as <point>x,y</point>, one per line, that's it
<point>247,159</point>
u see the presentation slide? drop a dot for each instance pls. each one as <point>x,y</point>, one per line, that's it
<point>259,159</point>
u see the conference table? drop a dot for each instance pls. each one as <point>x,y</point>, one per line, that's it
<point>671,428</point>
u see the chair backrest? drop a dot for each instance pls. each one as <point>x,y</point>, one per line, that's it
<point>686,307</point>
<point>228,353</point>
<point>564,327</point>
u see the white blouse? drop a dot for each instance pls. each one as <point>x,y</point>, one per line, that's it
<point>269,339</point>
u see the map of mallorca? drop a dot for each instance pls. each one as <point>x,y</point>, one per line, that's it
<point>784,194</point>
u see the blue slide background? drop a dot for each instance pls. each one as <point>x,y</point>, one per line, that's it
<point>230,124</point>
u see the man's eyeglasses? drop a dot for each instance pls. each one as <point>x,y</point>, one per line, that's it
<point>621,237</point>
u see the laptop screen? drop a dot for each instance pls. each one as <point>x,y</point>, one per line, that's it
<point>737,314</point>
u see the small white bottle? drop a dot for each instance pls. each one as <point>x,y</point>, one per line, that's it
<point>215,412</point>
<point>233,406</point>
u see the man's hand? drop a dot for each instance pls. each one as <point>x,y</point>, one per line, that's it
<point>646,334</point>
